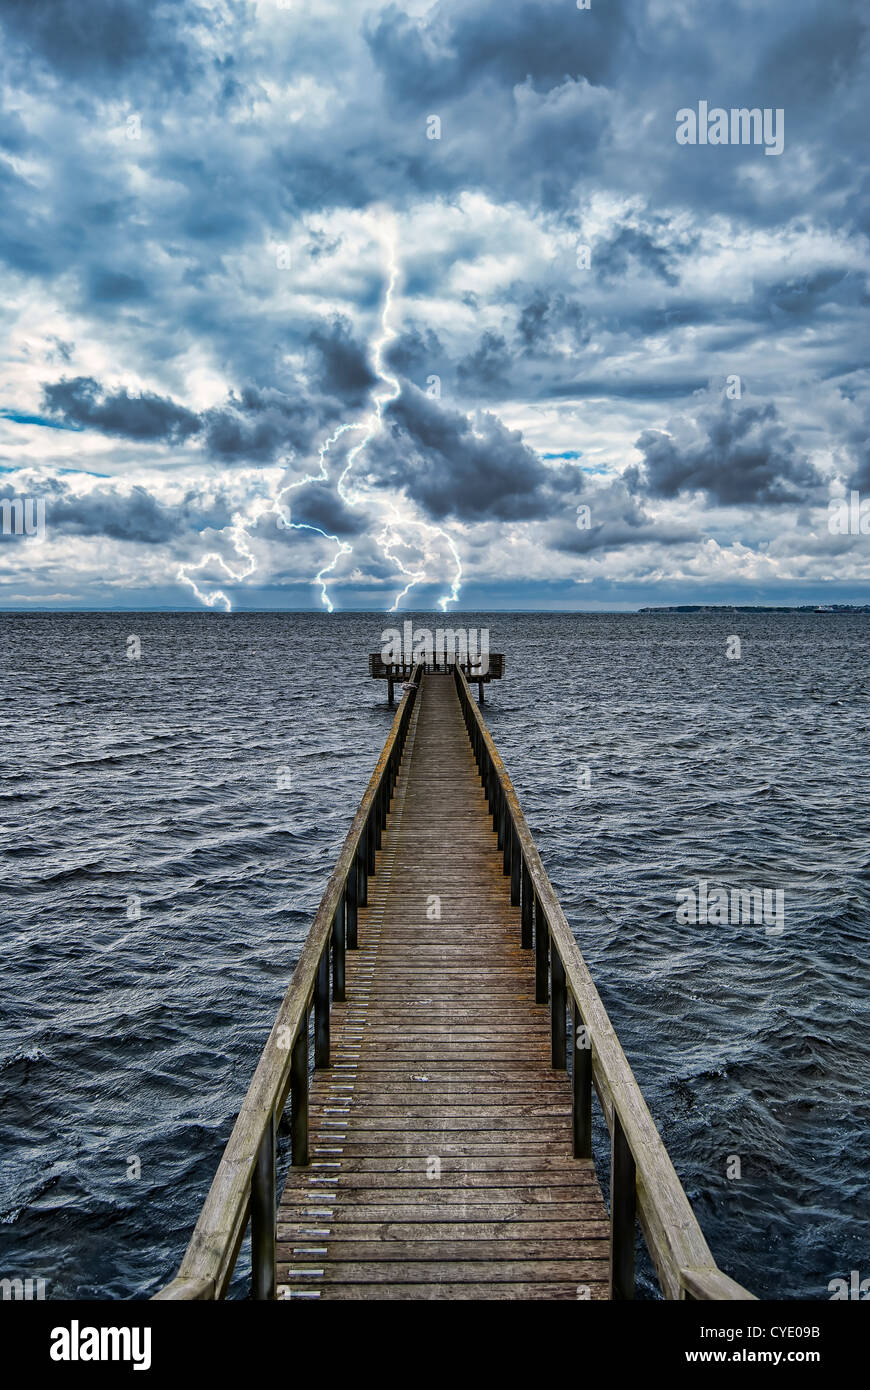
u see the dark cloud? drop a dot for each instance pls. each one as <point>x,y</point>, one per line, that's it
<point>317,504</point>
<point>341,363</point>
<point>615,520</point>
<point>658,255</point>
<point>547,316</point>
<point>473,469</point>
<point>159,254</point>
<point>134,516</point>
<point>258,424</point>
<point>736,453</point>
<point>105,37</point>
<point>114,287</point>
<point>416,351</point>
<point>459,42</point>
<point>82,401</point>
<point>858,450</point>
<point>487,367</point>
<point>803,296</point>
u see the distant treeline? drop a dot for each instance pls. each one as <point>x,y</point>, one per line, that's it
<point>757,608</point>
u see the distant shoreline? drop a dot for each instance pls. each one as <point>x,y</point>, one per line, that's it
<point>166,611</point>
<point>758,608</point>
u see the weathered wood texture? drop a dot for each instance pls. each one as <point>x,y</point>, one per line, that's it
<point>441,1137</point>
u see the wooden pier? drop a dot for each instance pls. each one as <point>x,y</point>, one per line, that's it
<point>440,1116</point>
<point>478,672</point>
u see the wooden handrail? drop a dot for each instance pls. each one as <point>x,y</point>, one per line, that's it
<point>643,1179</point>
<point>244,1184</point>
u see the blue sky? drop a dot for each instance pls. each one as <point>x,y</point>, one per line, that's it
<point>259,326</point>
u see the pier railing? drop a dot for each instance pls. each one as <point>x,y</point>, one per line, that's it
<point>244,1187</point>
<point>644,1186</point>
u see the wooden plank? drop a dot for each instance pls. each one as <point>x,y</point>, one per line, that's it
<point>456,1271</point>
<point>424,1232</point>
<point>590,1290</point>
<point>559,1246</point>
<point>514,1209</point>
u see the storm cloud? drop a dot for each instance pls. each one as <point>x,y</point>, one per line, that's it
<point>736,454</point>
<point>439,273</point>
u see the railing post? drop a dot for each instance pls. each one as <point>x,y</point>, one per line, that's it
<point>504,836</point>
<point>350,905</point>
<point>542,944</point>
<point>299,1097</point>
<point>377,814</point>
<point>623,1202</point>
<point>321,1011</point>
<point>338,949</point>
<point>558,1003</point>
<point>362,866</point>
<point>581,1085</point>
<point>526,938</point>
<point>516,867</point>
<point>264,1217</point>
<point>370,843</point>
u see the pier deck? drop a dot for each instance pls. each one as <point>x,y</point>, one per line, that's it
<point>436,1053</point>
<point>441,1159</point>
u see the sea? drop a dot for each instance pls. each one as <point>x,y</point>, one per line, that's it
<point>174,793</point>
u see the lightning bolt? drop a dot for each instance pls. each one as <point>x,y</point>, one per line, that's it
<point>394,390</point>
<point>239,536</point>
<point>342,547</point>
<point>371,425</point>
<point>390,537</point>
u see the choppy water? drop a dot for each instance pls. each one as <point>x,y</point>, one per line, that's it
<point>128,1044</point>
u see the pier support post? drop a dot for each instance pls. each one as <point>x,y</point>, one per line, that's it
<point>542,946</point>
<point>623,1200</point>
<point>321,1011</point>
<point>299,1097</point>
<point>264,1217</point>
<point>390,691</point>
<point>581,1086</point>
